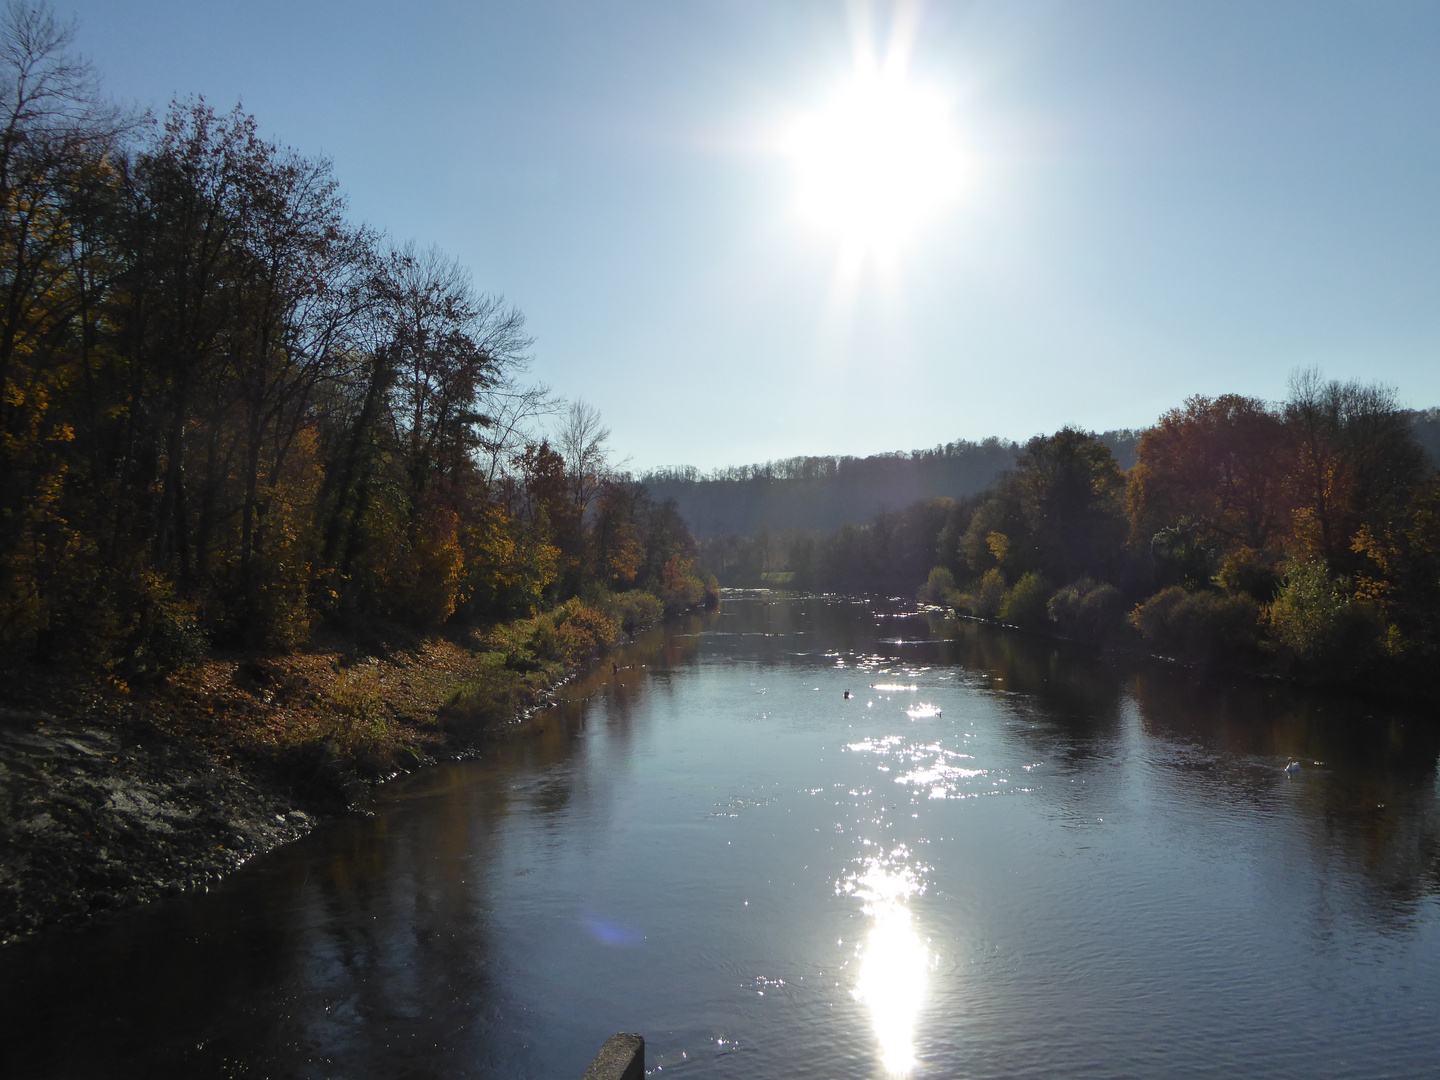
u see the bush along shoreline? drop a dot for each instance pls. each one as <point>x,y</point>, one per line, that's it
<point>117,794</point>
<point>1311,631</point>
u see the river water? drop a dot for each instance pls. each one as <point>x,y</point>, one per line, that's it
<point>1000,857</point>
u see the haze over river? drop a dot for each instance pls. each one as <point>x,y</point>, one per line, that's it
<point>1002,857</point>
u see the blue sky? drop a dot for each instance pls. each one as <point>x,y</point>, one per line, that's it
<point>1162,199</point>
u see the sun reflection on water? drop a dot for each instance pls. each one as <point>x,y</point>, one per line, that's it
<point>894,960</point>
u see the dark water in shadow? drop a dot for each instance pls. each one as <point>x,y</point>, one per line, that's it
<point>1079,867</point>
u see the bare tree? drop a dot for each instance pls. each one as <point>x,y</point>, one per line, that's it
<point>44,87</point>
<point>1356,459</point>
<point>514,409</point>
<point>55,131</point>
<point>453,349</point>
<point>582,441</point>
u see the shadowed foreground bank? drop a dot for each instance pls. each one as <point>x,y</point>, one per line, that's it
<point>115,795</point>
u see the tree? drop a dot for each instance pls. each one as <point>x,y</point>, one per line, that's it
<point>582,442</point>
<point>452,347</point>
<point>618,537</point>
<point>1355,463</point>
<point>244,294</point>
<point>513,408</point>
<point>1070,493</point>
<point>1218,464</point>
<point>58,140</point>
<point>222,405</point>
<point>55,133</point>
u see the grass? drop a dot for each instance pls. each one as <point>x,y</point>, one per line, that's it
<point>364,704</point>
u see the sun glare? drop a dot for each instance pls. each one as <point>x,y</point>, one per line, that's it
<point>894,960</point>
<point>876,163</point>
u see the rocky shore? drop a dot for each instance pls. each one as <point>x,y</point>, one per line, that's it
<point>99,816</point>
<point>113,795</point>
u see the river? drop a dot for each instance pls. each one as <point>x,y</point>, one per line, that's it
<point>999,857</point>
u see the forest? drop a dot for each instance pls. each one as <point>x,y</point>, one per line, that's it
<point>1301,537</point>
<point>229,415</point>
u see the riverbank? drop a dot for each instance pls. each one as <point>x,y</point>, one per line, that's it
<point>113,795</point>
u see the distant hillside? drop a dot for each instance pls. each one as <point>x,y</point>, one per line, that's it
<point>827,492</point>
<point>1426,425</point>
<point>824,493</point>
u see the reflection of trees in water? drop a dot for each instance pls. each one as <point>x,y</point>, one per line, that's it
<point>1245,719</point>
<point>645,668</point>
<point>680,645</point>
<point>393,957</point>
<point>1388,832</point>
<point>1068,703</point>
<point>798,631</point>
<point>1368,810</point>
<point>794,631</point>
<point>387,955</point>
<point>125,997</point>
<point>544,746</point>
<point>363,951</point>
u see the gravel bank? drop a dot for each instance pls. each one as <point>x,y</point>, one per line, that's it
<point>112,796</point>
<point>97,817</point>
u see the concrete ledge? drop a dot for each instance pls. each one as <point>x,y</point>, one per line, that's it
<point>621,1058</point>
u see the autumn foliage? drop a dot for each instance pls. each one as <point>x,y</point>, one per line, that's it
<point>229,414</point>
<point>1302,537</point>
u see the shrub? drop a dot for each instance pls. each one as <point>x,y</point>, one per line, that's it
<point>681,585</point>
<point>1153,617</point>
<point>161,633</point>
<point>573,631</point>
<point>1025,602</point>
<point>582,630</point>
<point>169,639</point>
<point>1206,625</point>
<point>1087,609</point>
<point>985,601</point>
<point>1319,628</point>
<point>634,609</point>
<point>512,643</point>
<point>1181,555</point>
<point>939,588</point>
<point>360,728</point>
<point>544,643</point>
<point>1249,571</point>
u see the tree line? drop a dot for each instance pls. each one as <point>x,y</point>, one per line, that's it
<point>1302,536</point>
<point>824,492</point>
<point>228,413</point>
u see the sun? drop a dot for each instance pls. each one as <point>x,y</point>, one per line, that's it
<point>877,162</point>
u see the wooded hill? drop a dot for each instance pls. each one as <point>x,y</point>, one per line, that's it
<point>826,492</point>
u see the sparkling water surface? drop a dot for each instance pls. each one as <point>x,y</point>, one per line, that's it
<point>999,857</point>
